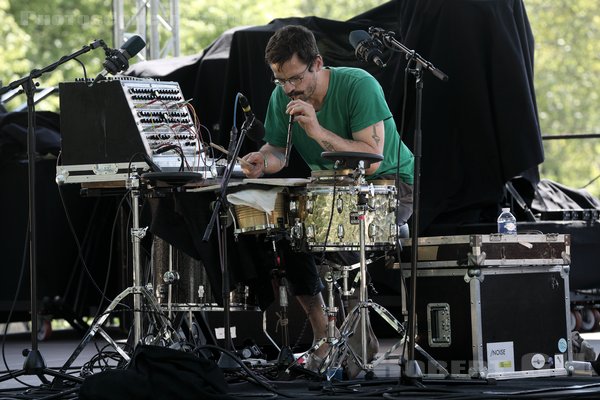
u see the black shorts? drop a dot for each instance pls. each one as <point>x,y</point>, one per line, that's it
<point>300,270</point>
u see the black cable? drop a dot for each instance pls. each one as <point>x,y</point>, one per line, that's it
<point>110,249</point>
<point>12,308</point>
<point>85,239</point>
<point>82,258</point>
<point>78,244</point>
<point>85,78</point>
<point>260,382</point>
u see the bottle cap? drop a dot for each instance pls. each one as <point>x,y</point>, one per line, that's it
<point>505,209</point>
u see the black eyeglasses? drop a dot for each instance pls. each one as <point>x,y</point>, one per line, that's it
<point>294,80</point>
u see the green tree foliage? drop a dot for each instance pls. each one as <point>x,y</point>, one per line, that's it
<point>44,31</point>
<point>13,51</point>
<point>567,83</point>
<point>36,33</point>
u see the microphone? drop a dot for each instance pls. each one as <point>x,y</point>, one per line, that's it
<point>366,48</point>
<point>117,60</point>
<point>288,146</point>
<point>255,130</point>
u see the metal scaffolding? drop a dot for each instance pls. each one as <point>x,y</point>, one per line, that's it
<point>156,21</point>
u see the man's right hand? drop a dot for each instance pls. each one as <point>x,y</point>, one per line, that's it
<point>257,160</point>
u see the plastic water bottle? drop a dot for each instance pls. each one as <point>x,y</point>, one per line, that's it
<point>507,223</point>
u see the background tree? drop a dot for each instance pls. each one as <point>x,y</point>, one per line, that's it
<point>567,56</point>
<point>13,50</point>
<point>567,83</point>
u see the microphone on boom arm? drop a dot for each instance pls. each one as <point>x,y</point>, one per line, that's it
<point>117,60</point>
<point>367,48</point>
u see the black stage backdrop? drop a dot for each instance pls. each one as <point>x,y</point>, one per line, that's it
<point>480,129</point>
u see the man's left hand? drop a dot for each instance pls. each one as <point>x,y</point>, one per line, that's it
<point>304,113</point>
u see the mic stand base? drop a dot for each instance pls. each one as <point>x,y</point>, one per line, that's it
<point>411,372</point>
<point>226,362</point>
<point>284,360</point>
<point>35,365</point>
<point>286,357</point>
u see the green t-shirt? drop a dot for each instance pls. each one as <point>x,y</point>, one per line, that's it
<point>354,101</point>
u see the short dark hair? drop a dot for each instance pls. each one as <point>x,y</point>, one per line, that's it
<point>290,40</point>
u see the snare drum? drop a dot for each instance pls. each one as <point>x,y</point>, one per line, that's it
<point>253,221</point>
<point>313,209</point>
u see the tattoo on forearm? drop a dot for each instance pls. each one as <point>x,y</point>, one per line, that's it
<point>327,146</point>
<point>375,137</point>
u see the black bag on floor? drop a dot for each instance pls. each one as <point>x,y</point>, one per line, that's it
<point>158,373</point>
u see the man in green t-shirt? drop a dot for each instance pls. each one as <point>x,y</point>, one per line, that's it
<point>334,109</point>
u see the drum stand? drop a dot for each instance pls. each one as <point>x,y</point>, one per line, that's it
<point>139,293</point>
<point>286,355</point>
<point>358,315</point>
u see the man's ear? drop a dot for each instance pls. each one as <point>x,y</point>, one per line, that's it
<point>318,63</point>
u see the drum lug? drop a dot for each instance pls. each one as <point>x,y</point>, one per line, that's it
<point>340,231</point>
<point>340,205</point>
<point>309,206</point>
<point>170,277</point>
<point>297,230</point>
<point>372,230</point>
<point>293,207</point>
<point>310,231</point>
<point>394,232</point>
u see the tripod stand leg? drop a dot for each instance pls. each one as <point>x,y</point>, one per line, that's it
<point>33,366</point>
<point>97,325</point>
<point>395,324</point>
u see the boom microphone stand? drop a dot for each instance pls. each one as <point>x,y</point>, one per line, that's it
<point>412,370</point>
<point>34,362</point>
<point>221,210</point>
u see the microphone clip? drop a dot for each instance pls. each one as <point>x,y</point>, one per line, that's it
<point>115,61</point>
<point>379,32</point>
<point>249,122</point>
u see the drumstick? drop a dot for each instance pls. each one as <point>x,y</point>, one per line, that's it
<point>224,151</point>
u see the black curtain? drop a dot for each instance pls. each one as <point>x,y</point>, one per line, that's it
<point>480,129</point>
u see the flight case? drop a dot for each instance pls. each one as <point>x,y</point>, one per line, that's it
<point>494,306</point>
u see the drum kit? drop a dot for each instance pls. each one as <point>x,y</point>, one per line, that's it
<point>337,211</point>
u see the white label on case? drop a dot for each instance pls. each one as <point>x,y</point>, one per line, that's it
<point>559,361</point>
<point>500,357</point>
<point>220,332</point>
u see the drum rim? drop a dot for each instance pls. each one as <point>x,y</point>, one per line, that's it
<point>330,173</point>
<point>352,246</point>
<point>321,188</point>
<point>258,229</point>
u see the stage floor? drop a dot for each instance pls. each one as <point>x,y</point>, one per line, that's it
<point>386,383</point>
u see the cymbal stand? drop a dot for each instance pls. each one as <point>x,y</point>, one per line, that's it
<point>138,291</point>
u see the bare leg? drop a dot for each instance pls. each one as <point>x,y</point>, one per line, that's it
<point>314,307</point>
